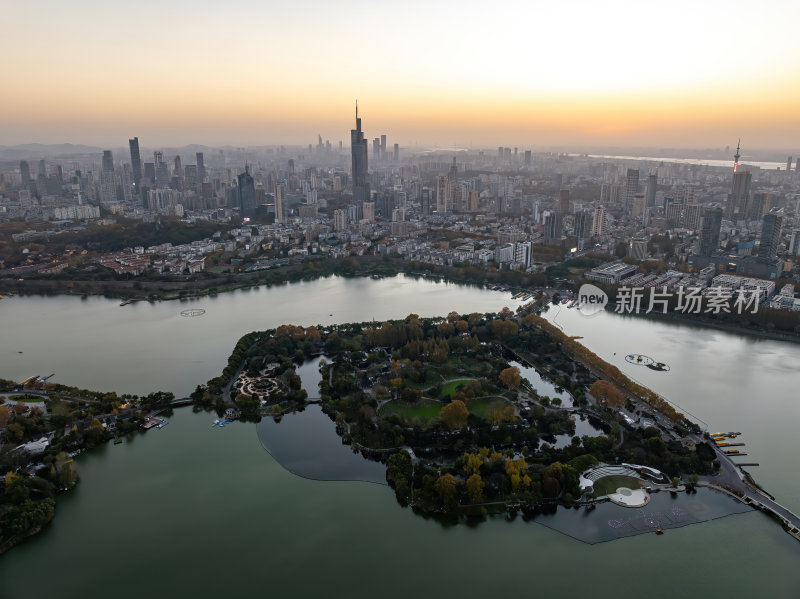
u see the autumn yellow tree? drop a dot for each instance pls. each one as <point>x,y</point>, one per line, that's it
<point>447,489</point>
<point>475,487</point>
<point>510,377</point>
<point>454,415</point>
<point>607,393</point>
<point>472,463</point>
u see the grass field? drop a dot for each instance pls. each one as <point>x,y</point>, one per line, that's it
<point>609,484</point>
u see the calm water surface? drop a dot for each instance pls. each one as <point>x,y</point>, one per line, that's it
<point>199,511</point>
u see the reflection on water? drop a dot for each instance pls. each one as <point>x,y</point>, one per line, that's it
<point>542,385</point>
<point>306,444</point>
<point>607,521</point>
<point>583,427</point>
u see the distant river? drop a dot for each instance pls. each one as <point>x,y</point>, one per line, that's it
<point>199,511</point>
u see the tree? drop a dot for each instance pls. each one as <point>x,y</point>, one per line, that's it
<point>475,487</point>
<point>454,415</point>
<point>447,489</point>
<point>472,463</point>
<point>510,377</point>
<point>608,394</point>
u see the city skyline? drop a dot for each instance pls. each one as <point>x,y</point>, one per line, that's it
<point>523,75</point>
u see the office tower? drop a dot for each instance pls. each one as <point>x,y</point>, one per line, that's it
<point>637,248</point>
<point>582,225</point>
<point>360,169</point>
<point>772,224</point>
<point>598,221</point>
<point>631,186</point>
<point>278,195</point>
<point>425,200</point>
<point>563,201</point>
<point>739,198</point>
<point>108,161</point>
<point>150,172</point>
<point>527,157</point>
<point>397,152</point>
<point>136,161</point>
<point>376,149</point>
<point>652,186</point>
<point>383,148</point>
<point>441,193</point>
<point>25,172</point>
<point>759,206</point>
<point>246,193</point>
<point>178,170</point>
<point>553,227</point>
<point>201,168</point>
<point>190,176</point>
<point>709,232</point>
<point>789,164</point>
<point>162,170</point>
<point>42,169</point>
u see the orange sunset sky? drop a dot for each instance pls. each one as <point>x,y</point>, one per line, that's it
<point>678,74</point>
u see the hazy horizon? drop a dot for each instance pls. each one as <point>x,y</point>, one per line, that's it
<point>616,74</point>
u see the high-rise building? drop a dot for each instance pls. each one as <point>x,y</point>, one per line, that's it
<point>25,172</point>
<point>397,152</point>
<point>383,148</point>
<point>278,195</point>
<point>553,227</point>
<point>631,187</point>
<point>739,198</point>
<point>472,200</point>
<point>246,193</point>
<point>136,162</point>
<point>638,206</point>
<point>652,186</point>
<point>527,157</point>
<point>709,231</point>
<point>201,168</point>
<point>598,221</point>
<point>369,211</point>
<point>789,164</point>
<point>759,206</point>
<point>441,193</point>
<point>794,243</point>
<point>582,225</point>
<point>108,161</point>
<point>339,220</point>
<point>771,227</point>
<point>360,172</point>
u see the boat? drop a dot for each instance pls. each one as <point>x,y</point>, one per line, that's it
<point>659,532</point>
<point>163,424</point>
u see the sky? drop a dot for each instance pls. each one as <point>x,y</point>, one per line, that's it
<point>579,74</point>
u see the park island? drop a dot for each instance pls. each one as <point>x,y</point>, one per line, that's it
<point>466,416</point>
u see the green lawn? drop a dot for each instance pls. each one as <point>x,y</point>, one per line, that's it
<point>449,389</point>
<point>610,484</point>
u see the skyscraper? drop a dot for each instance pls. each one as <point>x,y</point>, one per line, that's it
<point>136,161</point>
<point>358,150</point>
<point>201,169</point>
<point>25,172</point>
<point>709,232</point>
<point>598,221</point>
<point>108,161</point>
<point>770,235</point>
<point>739,198</point>
<point>563,201</point>
<point>652,186</point>
<point>631,187</point>
<point>441,193</point>
<point>582,226</point>
<point>246,193</point>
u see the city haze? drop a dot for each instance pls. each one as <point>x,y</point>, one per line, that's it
<point>449,74</point>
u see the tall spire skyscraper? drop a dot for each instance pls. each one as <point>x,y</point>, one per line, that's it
<point>136,162</point>
<point>358,150</point>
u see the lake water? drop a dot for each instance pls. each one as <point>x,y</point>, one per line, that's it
<point>200,511</point>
